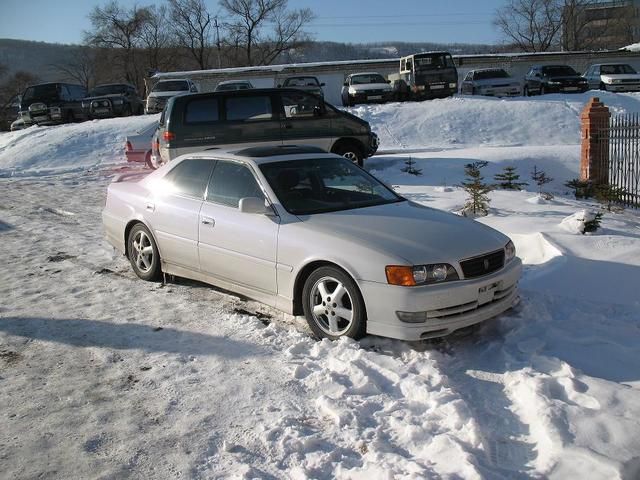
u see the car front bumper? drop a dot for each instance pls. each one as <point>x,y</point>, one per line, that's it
<point>364,97</point>
<point>501,92</point>
<point>447,307</point>
<point>623,87</point>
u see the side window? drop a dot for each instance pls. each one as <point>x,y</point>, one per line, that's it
<point>78,92</point>
<point>201,110</point>
<point>64,93</point>
<point>249,109</point>
<point>300,105</point>
<point>230,182</point>
<point>469,77</point>
<point>190,177</point>
<point>402,64</point>
<point>409,64</point>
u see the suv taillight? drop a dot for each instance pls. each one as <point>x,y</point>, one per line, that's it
<point>168,136</point>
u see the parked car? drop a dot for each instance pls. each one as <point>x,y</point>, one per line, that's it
<point>53,103</point>
<point>138,145</point>
<point>10,112</point>
<point>114,99</point>
<point>312,234</point>
<point>305,83</point>
<point>364,88</point>
<point>493,82</point>
<point>553,79</point>
<point>230,85</point>
<point>424,76</point>
<point>20,123</point>
<point>164,90</point>
<point>614,77</point>
<point>270,116</point>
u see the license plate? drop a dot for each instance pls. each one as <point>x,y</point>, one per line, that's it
<point>375,97</point>
<point>485,294</point>
<point>571,89</point>
<point>101,110</point>
<point>437,87</point>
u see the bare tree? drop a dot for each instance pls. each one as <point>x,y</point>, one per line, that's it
<point>117,28</point>
<point>532,25</point>
<point>81,68</point>
<point>265,28</point>
<point>192,27</point>
<point>155,39</point>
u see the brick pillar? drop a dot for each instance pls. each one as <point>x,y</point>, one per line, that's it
<point>594,160</point>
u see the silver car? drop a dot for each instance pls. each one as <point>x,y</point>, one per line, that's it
<point>313,234</point>
<point>494,82</point>
<point>231,85</point>
<point>614,77</point>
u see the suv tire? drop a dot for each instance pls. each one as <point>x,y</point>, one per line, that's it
<point>350,150</point>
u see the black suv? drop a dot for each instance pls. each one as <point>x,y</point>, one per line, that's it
<point>112,99</point>
<point>553,79</point>
<point>52,103</point>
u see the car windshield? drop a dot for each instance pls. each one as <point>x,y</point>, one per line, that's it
<point>171,86</point>
<point>559,71</point>
<point>487,74</point>
<point>321,185</point>
<point>616,69</point>
<point>301,82</point>
<point>368,78</point>
<point>49,90</point>
<point>433,62</point>
<point>107,90</point>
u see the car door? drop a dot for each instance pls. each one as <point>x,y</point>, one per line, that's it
<point>173,211</point>
<point>305,120</point>
<point>234,246</point>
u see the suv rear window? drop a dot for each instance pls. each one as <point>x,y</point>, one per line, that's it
<point>249,108</point>
<point>202,110</point>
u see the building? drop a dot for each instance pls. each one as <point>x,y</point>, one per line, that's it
<point>600,25</point>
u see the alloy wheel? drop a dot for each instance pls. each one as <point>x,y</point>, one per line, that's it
<point>331,306</point>
<point>142,253</point>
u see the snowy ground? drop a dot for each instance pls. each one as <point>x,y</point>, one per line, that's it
<point>105,376</point>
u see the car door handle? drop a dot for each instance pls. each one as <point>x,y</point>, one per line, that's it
<point>208,221</point>
<point>151,207</point>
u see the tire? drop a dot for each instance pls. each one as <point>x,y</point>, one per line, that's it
<point>351,151</point>
<point>126,112</point>
<point>147,161</point>
<point>145,265</point>
<point>68,117</point>
<point>333,305</point>
<point>603,86</point>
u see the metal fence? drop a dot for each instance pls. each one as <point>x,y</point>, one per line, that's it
<point>624,157</point>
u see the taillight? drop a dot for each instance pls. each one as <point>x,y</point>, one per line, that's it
<point>128,147</point>
<point>168,136</point>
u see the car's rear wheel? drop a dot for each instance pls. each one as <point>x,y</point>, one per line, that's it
<point>333,305</point>
<point>143,253</point>
<point>148,162</point>
<point>127,110</point>
<point>351,151</point>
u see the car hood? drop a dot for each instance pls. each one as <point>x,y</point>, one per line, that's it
<point>111,96</point>
<point>622,76</point>
<point>489,82</point>
<point>419,234</point>
<point>371,86</point>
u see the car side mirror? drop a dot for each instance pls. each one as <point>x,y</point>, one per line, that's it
<point>322,84</point>
<point>254,205</point>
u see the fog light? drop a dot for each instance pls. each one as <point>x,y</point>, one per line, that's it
<point>412,317</point>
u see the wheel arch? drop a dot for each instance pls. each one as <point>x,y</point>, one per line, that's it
<point>307,270</point>
<point>347,140</point>
<point>132,223</point>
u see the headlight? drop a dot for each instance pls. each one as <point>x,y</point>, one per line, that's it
<point>85,104</point>
<point>420,274</point>
<point>453,85</point>
<point>509,252</point>
<point>616,81</point>
<point>352,91</point>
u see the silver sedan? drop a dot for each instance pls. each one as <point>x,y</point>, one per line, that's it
<point>312,234</point>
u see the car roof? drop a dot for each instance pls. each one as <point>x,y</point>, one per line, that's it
<point>113,84</point>
<point>496,69</point>
<point>610,64</point>
<point>229,82</point>
<point>364,73</point>
<point>262,155</point>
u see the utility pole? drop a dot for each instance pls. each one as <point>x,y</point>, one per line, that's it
<point>217,25</point>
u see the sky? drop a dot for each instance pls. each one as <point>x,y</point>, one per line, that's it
<point>455,21</point>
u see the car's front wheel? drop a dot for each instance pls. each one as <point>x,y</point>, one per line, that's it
<point>333,305</point>
<point>143,253</point>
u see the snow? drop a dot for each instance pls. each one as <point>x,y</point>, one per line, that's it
<point>106,376</point>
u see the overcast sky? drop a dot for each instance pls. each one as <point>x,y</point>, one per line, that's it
<point>463,21</point>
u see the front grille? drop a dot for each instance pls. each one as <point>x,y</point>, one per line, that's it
<point>483,265</point>
<point>630,80</point>
<point>374,92</point>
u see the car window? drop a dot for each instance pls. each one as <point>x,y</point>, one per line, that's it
<point>299,105</point>
<point>190,177</point>
<point>249,108</point>
<point>468,77</point>
<point>171,86</point>
<point>201,110</point>
<point>230,182</point>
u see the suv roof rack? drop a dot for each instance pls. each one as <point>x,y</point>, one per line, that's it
<point>271,151</point>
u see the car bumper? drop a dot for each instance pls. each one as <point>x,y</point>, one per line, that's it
<point>137,155</point>
<point>500,92</point>
<point>369,98</point>
<point>632,87</point>
<point>566,89</point>
<point>448,307</point>
<point>433,91</point>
